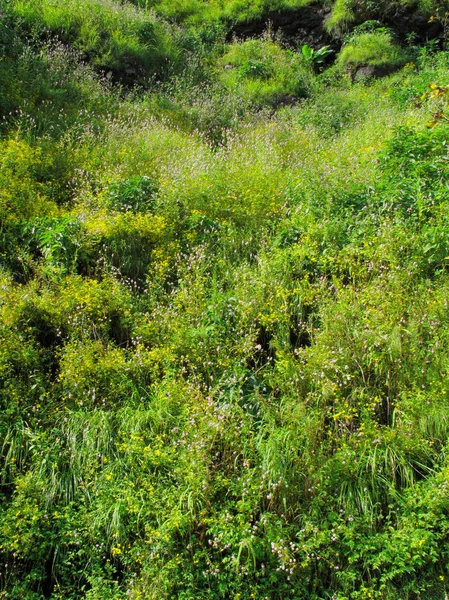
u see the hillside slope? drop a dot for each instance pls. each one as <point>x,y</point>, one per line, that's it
<point>224,300</point>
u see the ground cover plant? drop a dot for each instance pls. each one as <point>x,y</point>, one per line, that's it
<point>224,303</point>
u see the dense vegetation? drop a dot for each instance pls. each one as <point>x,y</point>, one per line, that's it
<point>224,300</point>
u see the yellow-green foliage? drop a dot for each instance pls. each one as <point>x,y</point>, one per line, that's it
<point>346,12</point>
<point>23,194</point>
<point>113,35</point>
<point>245,10</point>
<point>375,49</point>
<point>341,16</point>
<point>264,73</point>
<point>223,322</point>
<point>196,12</point>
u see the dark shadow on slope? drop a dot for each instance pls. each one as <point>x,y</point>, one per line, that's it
<point>304,25</point>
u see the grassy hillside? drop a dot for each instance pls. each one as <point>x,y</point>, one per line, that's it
<point>224,302</point>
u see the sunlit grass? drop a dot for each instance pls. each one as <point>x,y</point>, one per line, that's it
<point>224,326</point>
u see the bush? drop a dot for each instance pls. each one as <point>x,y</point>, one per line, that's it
<point>115,37</point>
<point>345,12</point>
<point>226,372</point>
<point>23,194</point>
<point>196,12</point>
<point>47,86</point>
<point>135,194</point>
<point>375,49</point>
<point>125,242</point>
<point>262,72</point>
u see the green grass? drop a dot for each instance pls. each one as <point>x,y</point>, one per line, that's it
<point>375,49</point>
<point>223,311</point>
<point>263,73</point>
<point>196,12</point>
<point>115,37</point>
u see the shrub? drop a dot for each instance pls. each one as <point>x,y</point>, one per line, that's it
<point>376,49</point>
<point>56,240</point>
<point>116,37</point>
<point>345,12</point>
<point>23,194</point>
<point>124,242</point>
<point>262,72</point>
<point>47,85</point>
<point>196,12</point>
<point>226,375</point>
<point>135,194</point>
